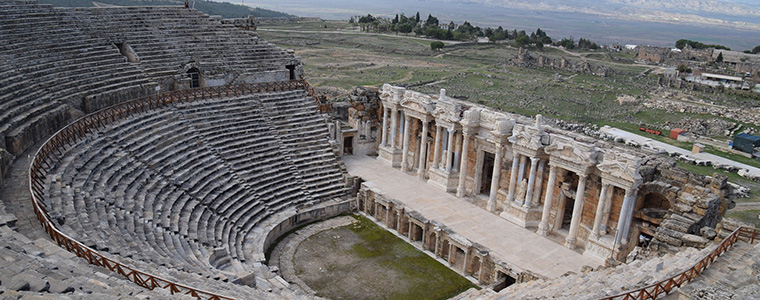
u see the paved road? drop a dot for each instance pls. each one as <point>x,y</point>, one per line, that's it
<point>642,140</point>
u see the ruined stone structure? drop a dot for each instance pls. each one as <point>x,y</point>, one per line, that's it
<point>66,62</point>
<point>661,54</point>
<point>193,185</point>
<point>525,59</point>
<point>598,196</point>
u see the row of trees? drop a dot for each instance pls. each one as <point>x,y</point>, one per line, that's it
<point>680,44</point>
<point>432,27</point>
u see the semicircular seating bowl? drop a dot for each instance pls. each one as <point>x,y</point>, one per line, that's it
<point>182,188</point>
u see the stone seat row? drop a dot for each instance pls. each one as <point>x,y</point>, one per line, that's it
<point>606,282</point>
<point>165,191</point>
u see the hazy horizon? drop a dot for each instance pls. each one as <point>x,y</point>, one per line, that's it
<point>613,21</point>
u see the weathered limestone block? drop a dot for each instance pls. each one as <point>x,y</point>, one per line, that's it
<point>5,164</point>
<point>691,240</point>
<point>676,225</point>
<point>669,236</point>
<point>708,233</point>
<point>20,139</point>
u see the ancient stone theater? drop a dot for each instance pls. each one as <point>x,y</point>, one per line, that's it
<point>154,152</point>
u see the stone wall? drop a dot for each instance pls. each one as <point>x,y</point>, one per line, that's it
<point>696,204</point>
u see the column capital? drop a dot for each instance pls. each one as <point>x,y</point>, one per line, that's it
<point>534,159</point>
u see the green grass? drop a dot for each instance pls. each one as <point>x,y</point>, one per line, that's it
<point>754,195</point>
<point>746,216</point>
<point>432,280</point>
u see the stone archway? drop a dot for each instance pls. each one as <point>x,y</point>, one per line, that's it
<point>195,77</point>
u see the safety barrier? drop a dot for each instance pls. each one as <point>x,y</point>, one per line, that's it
<point>53,149</point>
<point>666,286</point>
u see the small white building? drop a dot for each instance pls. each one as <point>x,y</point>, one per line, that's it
<point>631,47</point>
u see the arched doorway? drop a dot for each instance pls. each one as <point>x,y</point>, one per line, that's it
<point>195,77</point>
<point>650,212</point>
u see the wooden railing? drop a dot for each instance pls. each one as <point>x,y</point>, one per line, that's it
<point>664,287</point>
<point>54,148</point>
<point>322,106</point>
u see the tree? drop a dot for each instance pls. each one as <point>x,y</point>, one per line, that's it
<point>395,20</point>
<point>539,45</point>
<point>720,57</point>
<point>756,50</point>
<point>431,21</point>
<point>417,18</point>
<point>436,45</point>
<point>405,28</point>
<point>522,40</point>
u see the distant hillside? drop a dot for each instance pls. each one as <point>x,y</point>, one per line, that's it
<point>226,10</point>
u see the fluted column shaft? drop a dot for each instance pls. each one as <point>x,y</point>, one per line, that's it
<point>405,153</point>
<point>513,178</point>
<point>543,227</point>
<point>577,212</point>
<point>437,151</point>
<point>463,165</point>
<point>423,150</point>
<point>495,178</point>
<point>600,211</point>
<point>385,127</point>
<point>449,149</point>
<point>531,181</point>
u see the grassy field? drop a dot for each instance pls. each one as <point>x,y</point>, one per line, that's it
<point>337,57</point>
<point>364,261</point>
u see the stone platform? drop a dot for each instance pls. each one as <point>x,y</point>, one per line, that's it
<point>507,241</point>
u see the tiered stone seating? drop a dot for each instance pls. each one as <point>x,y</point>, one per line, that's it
<point>183,188</point>
<point>50,64</point>
<point>606,282</point>
<point>166,38</point>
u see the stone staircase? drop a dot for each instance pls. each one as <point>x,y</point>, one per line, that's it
<point>734,275</point>
<point>608,281</point>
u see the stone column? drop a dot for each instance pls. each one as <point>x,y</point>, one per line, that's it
<point>423,150</point>
<point>626,213</point>
<point>607,208</point>
<point>513,178</point>
<point>463,162</point>
<point>600,211</point>
<point>394,121</point>
<point>543,227</point>
<point>388,216</point>
<point>457,155</point>
<point>531,181</point>
<point>539,182</point>
<point>450,149</point>
<point>521,174</point>
<point>437,152</point>
<point>385,127</point>
<point>405,148</point>
<point>495,178</point>
<point>577,212</point>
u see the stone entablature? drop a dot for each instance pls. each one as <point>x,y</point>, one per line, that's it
<point>539,177</point>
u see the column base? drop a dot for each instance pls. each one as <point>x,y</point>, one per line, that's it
<point>447,181</point>
<point>570,243</point>
<point>525,217</point>
<point>389,155</point>
<point>602,247</point>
